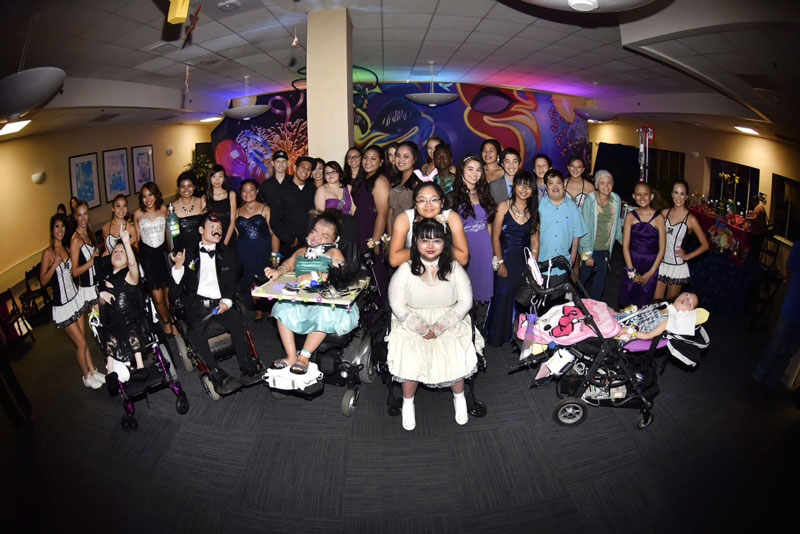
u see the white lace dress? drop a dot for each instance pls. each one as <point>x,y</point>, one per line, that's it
<point>417,304</point>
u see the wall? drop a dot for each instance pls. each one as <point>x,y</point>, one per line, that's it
<point>25,208</point>
<point>701,144</point>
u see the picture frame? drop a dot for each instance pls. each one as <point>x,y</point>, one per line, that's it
<point>115,173</point>
<point>84,178</point>
<point>142,165</point>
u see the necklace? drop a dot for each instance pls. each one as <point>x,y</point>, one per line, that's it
<point>249,209</point>
<point>191,206</point>
<point>472,191</point>
<point>515,211</point>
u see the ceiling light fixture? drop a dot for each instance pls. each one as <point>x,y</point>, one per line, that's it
<point>432,99</point>
<point>594,113</point>
<point>13,127</point>
<point>249,109</point>
<point>745,129</point>
<point>583,5</point>
<point>211,119</point>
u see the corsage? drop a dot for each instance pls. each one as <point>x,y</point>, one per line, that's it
<point>496,262</point>
<point>632,274</point>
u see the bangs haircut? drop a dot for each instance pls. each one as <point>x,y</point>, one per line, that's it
<point>431,229</point>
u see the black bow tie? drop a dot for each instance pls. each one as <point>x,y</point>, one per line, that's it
<point>209,252</point>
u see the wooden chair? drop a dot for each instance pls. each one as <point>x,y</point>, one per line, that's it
<point>14,323</point>
<point>33,292</point>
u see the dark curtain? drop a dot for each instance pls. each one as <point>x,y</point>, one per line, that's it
<point>623,164</point>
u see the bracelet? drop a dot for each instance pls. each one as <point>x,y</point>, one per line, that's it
<point>496,262</point>
<point>276,256</point>
<point>631,273</point>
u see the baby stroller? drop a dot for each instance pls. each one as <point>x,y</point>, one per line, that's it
<point>341,360</point>
<point>574,343</point>
<point>159,374</point>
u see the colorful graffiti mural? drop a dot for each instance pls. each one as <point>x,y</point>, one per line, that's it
<point>528,121</point>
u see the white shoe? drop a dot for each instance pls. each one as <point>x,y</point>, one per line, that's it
<point>90,382</point>
<point>409,419</point>
<point>97,375</point>
<point>460,404</point>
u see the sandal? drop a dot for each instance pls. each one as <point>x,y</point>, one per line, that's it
<point>280,364</point>
<point>298,368</point>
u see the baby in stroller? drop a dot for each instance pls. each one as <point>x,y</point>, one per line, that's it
<point>122,313</point>
<point>652,321</point>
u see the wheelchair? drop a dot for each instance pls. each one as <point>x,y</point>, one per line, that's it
<point>341,360</point>
<point>220,343</point>
<point>160,373</point>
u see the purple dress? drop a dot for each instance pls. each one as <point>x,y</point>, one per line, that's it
<point>345,205</point>
<point>644,251</point>
<point>365,221</point>
<point>479,269</point>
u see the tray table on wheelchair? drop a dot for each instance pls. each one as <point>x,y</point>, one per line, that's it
<point>274,290</point>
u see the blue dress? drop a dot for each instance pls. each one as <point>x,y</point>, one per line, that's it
<point>253,249</point>
<point>502,313</point>
<point>303,318</point>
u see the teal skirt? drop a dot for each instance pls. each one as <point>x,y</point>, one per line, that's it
<point>306,318</point>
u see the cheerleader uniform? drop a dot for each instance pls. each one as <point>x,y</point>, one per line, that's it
<point>88,280</point>
<point>674,270</point>
<point>67,304</point>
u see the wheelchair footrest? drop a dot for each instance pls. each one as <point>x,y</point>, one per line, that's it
<point>286,380</point>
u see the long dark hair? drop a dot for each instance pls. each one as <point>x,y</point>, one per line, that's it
<point>254,183</point>
<point>89,231</point>
<point>432,229</point>
<point>461,200</point>
<point>526,178</point>
<point>347,176</point>
<point>496,144</point>
<point>413,180</point>
<point>388,168</point>
<point>210,189</point>
<point>362,178</point>
<point>428,140</point>
<point>155,191</point>
<point>53,220</point>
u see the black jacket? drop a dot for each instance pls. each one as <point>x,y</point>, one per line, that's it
<point>186,291</point>
<point>269,189</point>
<point>289,215</point>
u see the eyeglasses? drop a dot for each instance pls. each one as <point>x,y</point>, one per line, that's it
<point>331,173</point>
<point>434,242</point>
<point>354,156</point>
<point>431,201</point>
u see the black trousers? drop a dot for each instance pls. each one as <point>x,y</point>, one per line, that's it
<point>231,320</point>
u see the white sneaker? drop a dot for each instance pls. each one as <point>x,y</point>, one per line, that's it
<point>409,419</point>
<point>460,404</point>
<point>97,375</point>
<point>90,382</point>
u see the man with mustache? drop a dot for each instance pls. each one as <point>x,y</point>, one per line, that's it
<point>204,278</point>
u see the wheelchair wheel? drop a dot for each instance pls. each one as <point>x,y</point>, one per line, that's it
<point>182,404</point>
<point>173,373</point>
<point>476,408</point>
<point>129,423</point>
<point>570,411</point>
<point>277,394</point>
<point>644,420</point>
<point>209,387</point>
<point>367,374</point>
<point>349,402</point>
<point>183,352</point>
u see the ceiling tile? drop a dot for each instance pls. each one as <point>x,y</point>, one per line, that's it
<point>500,27</point>
<point>155,64</point>
<point>406,21</point>
<point>248,20</point>
<point>138,38</point>
<point>224,43</point>
<point>708,44</point>
<point>109,28</point>
<point>255,59</point>
<point>457,36</point>
<point>365,20</point>
<point>601,35</point>
<point>132,58</point>
<point>408,6</point>
<point>179,69</point>
<point>210,30</point>
<point>487,38</point>
<point>672,49</point>
<point>189,52</point>
<point>560,51</point>
<point>542,34</point>
<point>578,43</point>
<point>262,35</point>
<point>475,8</point>
<point>366,35</point>
<point>557,26</point>
<point>142,11</point>
<point>503,12</point>
<point>405,34</point>
<point>454,22</point>
<point>527,45</point>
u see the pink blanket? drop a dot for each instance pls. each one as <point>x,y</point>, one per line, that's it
<point>565,325</point>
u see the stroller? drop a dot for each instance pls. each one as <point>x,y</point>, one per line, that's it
<point>574,343</point>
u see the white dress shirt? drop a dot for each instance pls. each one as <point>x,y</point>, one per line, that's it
<point>207,283</point>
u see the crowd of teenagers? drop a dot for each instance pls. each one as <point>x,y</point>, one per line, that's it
<point>449,238</point>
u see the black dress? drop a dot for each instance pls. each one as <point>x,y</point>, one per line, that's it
<point>189,236</point>
<point>254,247</point>
<point>124,320</point>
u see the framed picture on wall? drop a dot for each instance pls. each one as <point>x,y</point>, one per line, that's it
<point>84,178</point>
<point>142,160</point>
<point>115,173</point>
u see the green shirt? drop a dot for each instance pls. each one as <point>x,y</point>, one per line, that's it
<point>605,217</point>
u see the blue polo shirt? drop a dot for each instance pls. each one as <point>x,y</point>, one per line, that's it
<point>558,226</point>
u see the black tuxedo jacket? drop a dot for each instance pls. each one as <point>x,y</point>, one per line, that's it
<point>186,291</point>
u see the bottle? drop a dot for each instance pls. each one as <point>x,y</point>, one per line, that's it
<point>173,227</point>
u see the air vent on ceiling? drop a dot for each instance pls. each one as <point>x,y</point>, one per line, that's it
<point>163,48</point>
<point>104,117</point>
<point>758,82</point>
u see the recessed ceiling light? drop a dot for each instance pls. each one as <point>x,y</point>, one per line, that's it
<point>745,129</point>
<point>211,119</point>
<point>13,127</point>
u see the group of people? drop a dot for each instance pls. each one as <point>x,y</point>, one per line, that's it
<point>449,244</point>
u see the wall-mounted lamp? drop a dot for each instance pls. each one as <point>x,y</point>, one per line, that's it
<point>39,177</point>
<point>169,151</point>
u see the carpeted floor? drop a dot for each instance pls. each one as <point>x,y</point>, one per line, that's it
<point>717,456</point>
